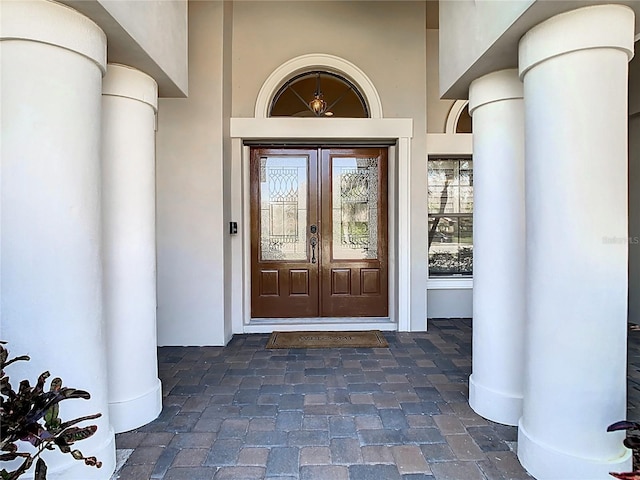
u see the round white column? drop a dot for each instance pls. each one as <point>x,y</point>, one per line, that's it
<point>129,101</point>
<point>574,67</point>
<point>634,191</point>
<point>497,109</point>
<point>53,60</point>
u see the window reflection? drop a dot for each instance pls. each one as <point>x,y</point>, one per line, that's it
<point>450,206</point>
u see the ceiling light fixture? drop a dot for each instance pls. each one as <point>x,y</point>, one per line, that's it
<point>318,106</point>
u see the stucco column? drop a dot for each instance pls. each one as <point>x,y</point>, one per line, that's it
<point>129,104</point>
<point>574,67</point>
<point>634,191</point>
<point>53,60</point>
<point>497,109</point>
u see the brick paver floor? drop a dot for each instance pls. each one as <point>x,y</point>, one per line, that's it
<point>244,412</point>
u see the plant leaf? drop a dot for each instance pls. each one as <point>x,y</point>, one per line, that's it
<point>56,384</point>
<point>78,420</point>
<point>77,454</point>
<point>10,447</point>
<point>67,392</point>
<point>21,358</point>
<point>623,425</point>
<point>92,462</point>
<point>51,420</point>
<point>626,475</point>
<point>75,434</point>
<point>631,442</point>
<point>41,470</point>
<point>5,457</point>
<point>39,388</point>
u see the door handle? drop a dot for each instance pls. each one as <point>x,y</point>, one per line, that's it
<point>314,242</point>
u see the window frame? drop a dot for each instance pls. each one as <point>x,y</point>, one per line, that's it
<point>449,280</point>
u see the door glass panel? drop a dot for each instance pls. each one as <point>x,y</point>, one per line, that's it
<point>355,208</point>
<point>283,208</point>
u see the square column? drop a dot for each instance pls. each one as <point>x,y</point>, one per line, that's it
<point>574,67</point>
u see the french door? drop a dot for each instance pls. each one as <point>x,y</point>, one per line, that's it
<point>319,232</point>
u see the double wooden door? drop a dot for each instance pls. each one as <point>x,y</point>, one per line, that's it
<point>319,232</point>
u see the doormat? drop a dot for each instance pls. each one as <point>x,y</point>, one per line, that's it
<point>360,339</point>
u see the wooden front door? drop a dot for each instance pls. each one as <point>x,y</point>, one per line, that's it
<point>319,232</point>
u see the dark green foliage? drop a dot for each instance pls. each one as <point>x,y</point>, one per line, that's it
<point>31,415</point>
<point>633,442</point>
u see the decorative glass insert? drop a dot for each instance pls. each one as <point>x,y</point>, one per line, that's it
<point>355,208</point>
<point>283,208</point>
<point>450,206</point>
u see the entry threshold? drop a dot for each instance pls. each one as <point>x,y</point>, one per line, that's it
<point>268,325</point>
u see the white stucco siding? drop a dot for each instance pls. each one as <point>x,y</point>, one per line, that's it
<point>386,40</point>
<point>189,179</point>
<point>437,108</point>
<point>481,36</point>
<point>450,303</point>
<point>150,35</point>
<point>232,53</point>
<point>160,28</point>
<point>468,29</point>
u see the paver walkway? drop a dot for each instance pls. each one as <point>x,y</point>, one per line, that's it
<point>244,412</point>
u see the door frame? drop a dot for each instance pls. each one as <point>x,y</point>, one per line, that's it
<point>313,280</point>
<point>349,132</point>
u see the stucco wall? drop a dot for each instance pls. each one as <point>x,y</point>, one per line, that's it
<point>481,36</point>
<point>160,27</point>
<point>468,28</point>
<point>437,109</point>
<point>450,303</point>
<point>443,303</point>
<point>190,217</point>
<point>149,35</point>
<point>233,50</point>
<point>387,40</point>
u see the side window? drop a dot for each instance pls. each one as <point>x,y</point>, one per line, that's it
<point>450,183</point>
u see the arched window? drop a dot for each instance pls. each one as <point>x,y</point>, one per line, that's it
<point>319,94</point>
<point>464,121</point>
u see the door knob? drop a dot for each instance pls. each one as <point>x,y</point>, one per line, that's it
<point>313,229</point>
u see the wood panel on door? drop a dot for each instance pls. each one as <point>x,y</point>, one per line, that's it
<point>284,207</point>
<point>319,232</point>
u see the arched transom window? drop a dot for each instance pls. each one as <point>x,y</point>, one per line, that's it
<point>319,94</point>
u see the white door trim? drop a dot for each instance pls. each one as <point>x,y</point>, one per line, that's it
<point>317,130</point>
<point>320,61</point>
